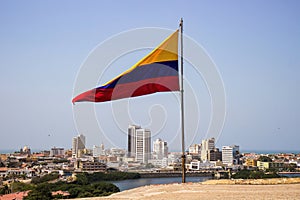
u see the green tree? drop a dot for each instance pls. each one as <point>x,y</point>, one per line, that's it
<point>19,186</point>
<point>82,179</point>
<point>5,189</point>
<point>264,159</point>
<point>247,174</point>
<point>45,178</point>
<point>85,194</point>
<point>149,166</point>
<point>292,167</point>
<point>75,191</point>
<point>58,196</point>
<point>42,191</point>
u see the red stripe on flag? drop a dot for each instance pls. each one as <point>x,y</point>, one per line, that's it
<point>139,88</point>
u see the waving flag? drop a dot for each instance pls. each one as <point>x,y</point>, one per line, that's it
<point>156,72</point>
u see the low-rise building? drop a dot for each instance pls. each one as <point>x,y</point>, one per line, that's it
<point>3,171</point>
<point>91,166</point>
<point>195,149</point>
<point>114,164</point>
<point>159,162</point>
<point>15,196</point>
<point>57,152</point>
<point>249,162</point>
<point>269,165</point>
<point>129,159</point>
<point>17,172</point>
<point>59,193</point>
<point>198,165</point>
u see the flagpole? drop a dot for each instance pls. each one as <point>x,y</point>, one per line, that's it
<point>182,103</point>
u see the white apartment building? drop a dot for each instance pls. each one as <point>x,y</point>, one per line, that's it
<point>229,154</point>
<point>143,145</point>
<point>159,162</point>
<point>206,146</point>
<point>139,143</point>
<point>78,143</point>
<point>98,151</point>
<point>57,151</point>
<point>160,149</point>
<point>195,149</point>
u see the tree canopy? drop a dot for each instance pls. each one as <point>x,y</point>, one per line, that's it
<point>264,159</point>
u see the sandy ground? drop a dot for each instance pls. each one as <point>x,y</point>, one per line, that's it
<point>209,191</point>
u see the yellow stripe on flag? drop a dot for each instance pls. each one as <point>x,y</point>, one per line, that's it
<point>166,51</point>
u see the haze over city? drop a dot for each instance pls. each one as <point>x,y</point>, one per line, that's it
<point>255,46</point>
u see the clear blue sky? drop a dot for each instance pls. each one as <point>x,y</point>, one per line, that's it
<point>255,44</point>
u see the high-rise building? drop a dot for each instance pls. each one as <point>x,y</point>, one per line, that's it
<point>160,149</point>
<point>143,145</point>
<point>215,155</point>
<point>78,144</point>
<point>139,143</point>
<point>131,140</point>
<point>229,154</point>
<point>206,146</point>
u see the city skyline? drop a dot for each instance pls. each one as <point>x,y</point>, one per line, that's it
<point>159,147</point>
<point>255,46</point>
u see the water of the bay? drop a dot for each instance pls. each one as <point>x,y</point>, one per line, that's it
<point>133,183</point>
<point>291,175</point>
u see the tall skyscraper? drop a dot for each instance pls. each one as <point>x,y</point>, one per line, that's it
<point>143,145</point>
<point>229,154</point>
<point>160,149</point>
<point>139,143</point>
<point>78,143</point>
<point>131,139</point>
<point>206,146</point>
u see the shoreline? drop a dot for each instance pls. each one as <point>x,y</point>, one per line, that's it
<point>213,189</point>
<point>268,181</point>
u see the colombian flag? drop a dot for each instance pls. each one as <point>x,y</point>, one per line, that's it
<point>156,72</point>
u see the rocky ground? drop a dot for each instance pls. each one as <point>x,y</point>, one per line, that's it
<point>215,189</point>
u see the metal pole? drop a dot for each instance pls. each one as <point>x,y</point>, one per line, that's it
<point>182,103</point>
